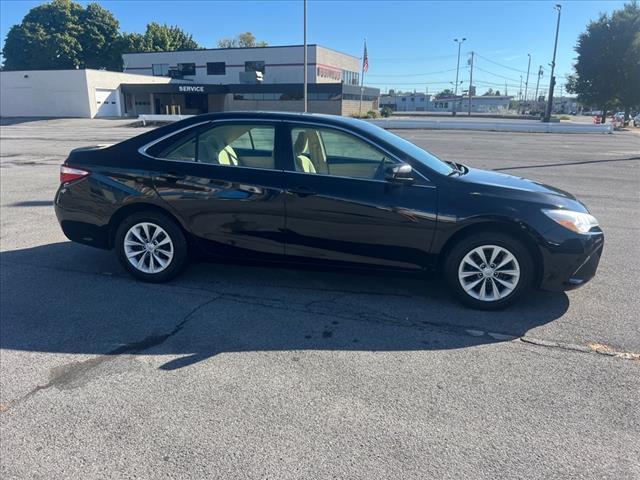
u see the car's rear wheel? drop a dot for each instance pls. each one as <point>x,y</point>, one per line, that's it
<point>151,246</point>
<point>489,271</point>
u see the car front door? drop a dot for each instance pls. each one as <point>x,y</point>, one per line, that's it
<point>340,208</point>
<point>224,180</point>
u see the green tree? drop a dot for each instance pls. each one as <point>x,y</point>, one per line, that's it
<point>607,70</point>
<point>162,38</point>
<point>447,92</point>
<point>488,92</point>
<point>63,34</point>
<point>243,40</point>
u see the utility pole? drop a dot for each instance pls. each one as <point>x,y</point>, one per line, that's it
<point>552,82</point>
<point>470,85</point>
<point>540,73</point>
<point>526,84</point>
<point>455,101</point>
<point>520,91</point>
<point>305,56</point>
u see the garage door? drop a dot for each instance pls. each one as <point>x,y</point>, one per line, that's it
<point>107,103</point>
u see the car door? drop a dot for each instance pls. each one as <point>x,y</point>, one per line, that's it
<point>224,180</point>
<point>339,207</point>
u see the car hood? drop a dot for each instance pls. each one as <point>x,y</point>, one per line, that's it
<point>496,183</point>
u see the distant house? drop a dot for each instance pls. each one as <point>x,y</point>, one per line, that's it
<point>421,102</point>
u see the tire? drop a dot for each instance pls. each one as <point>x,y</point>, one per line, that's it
<point>158,263</point>
<point>512,279</point>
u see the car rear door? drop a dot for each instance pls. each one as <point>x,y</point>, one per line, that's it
<point>342,210</point>
<point>225,181</point>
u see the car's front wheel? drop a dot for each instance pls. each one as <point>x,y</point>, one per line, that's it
<point>489,271</point>
<point>151,246</point>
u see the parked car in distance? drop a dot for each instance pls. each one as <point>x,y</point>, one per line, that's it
<point>325,190</point>
<point>636,120</point>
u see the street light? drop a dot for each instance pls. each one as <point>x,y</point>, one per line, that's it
<point>540,73</point>
<point>455,94</point>
<point>526,84</point>
<point>552,81</point>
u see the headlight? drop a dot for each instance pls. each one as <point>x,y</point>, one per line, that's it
<point>575,221</point>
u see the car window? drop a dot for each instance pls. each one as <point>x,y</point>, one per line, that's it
<point>333,152</point>
<point>234,145</point>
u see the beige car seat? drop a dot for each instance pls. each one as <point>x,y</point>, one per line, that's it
<point>303,162</point>
<point>227,156</point>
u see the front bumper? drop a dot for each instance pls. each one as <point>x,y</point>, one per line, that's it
<point>569,259</point>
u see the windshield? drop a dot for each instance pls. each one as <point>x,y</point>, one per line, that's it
<point>411,149</point>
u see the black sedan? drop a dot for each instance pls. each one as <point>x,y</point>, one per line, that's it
<point>334,191</point>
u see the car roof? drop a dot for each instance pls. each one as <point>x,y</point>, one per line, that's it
<point>274,115</point>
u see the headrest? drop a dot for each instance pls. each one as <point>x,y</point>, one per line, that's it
<point>301,143</point>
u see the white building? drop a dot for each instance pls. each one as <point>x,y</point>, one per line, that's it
<point>420,102</point>
<point>226,66</point>
<point>67,93</point>
<point>194,82</point>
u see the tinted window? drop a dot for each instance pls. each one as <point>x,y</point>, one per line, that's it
<point>332,152</point>
<point>160,69</point>
<point>235,145</point>
<point>409,148</point>
<point>187,68</point>
<point>216,68</point>
<point>254,66</point>
<point>183,149</point>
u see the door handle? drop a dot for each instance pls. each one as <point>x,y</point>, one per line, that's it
<point>301,191</point>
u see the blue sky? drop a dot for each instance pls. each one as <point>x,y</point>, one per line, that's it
<point>410,44</point>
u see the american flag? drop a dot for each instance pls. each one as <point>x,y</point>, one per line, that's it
<point>365,59</point>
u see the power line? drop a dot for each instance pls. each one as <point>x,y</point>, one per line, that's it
<point>409,59</point>
<point>500,64</point>
<point>411,74</point>
<point>497,75</point>
<point>408,83</point>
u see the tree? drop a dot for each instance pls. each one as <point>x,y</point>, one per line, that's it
<point>243,40</point>
<point>63,34</point>
<point>488,92</point>
<point>447,92</point>
<point>607,70</point>
<point>162,38</point>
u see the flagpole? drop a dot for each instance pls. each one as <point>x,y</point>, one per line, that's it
<point>305,57</point>
<point>362,77</point>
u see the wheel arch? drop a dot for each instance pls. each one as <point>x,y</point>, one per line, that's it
<point>131,208</point>
<point>518,230</point>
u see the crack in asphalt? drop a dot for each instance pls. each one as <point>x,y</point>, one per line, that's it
<point>326,307</point>
<point>69,373</point>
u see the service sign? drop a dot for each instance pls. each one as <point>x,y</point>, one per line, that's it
<point>191,88</point>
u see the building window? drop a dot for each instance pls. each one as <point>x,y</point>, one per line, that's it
<point>187,68</point>
<point>216,68</point>
<point>254,66</point>
<point>160,69</point>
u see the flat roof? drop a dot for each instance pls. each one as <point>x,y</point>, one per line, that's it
<point>241,48</point>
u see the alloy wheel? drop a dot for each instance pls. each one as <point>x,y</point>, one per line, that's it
<point>489,273</point>
<point>148,247</point>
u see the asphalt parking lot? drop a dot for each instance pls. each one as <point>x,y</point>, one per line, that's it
<point>253,372</point>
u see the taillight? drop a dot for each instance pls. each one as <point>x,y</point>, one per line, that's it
<point>68,174</point>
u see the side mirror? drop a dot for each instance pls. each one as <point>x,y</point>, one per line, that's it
<point>402,173</point>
